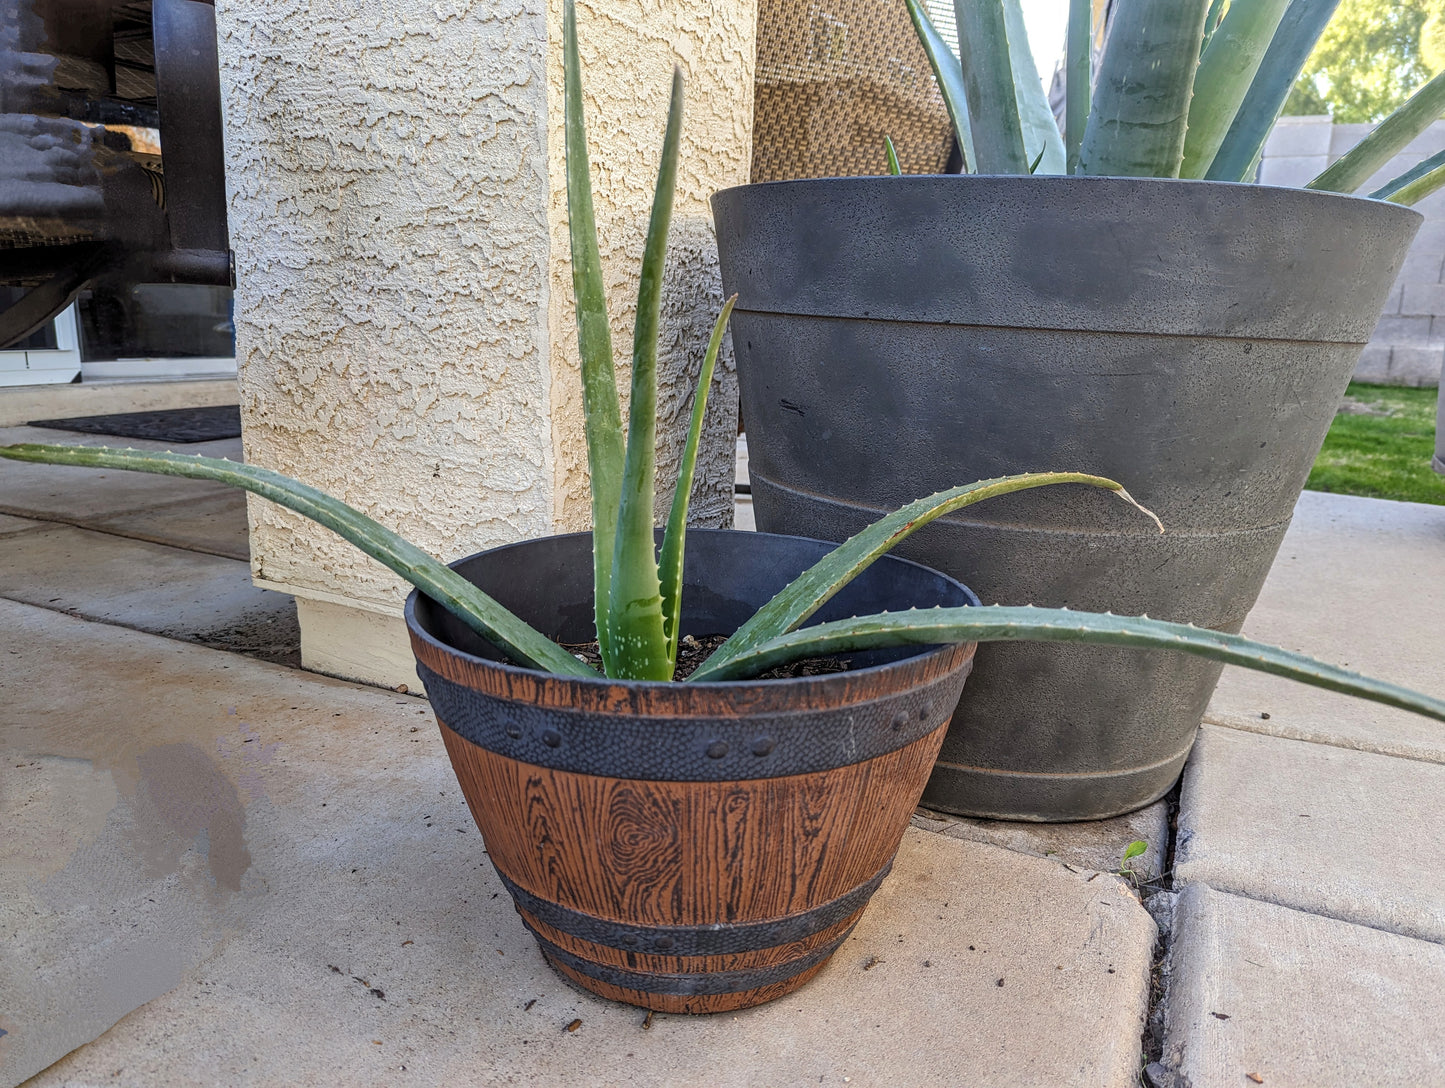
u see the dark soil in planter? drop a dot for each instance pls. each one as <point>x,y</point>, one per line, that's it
<point>692,652</point>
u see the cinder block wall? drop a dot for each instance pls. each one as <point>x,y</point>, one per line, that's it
<point>1408,347</point>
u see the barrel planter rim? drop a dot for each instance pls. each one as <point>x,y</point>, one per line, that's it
<point>876,732</point>
<point>709,689</point>
<point>980,325</point>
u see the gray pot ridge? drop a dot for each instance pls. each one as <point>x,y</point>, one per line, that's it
<point>896,336</point>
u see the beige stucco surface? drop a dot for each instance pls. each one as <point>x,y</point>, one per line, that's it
<point>404,308</point>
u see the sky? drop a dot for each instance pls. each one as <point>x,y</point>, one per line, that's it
<point>1047,23</point>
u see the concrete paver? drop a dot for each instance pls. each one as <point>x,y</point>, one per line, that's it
<point>215,525</point>
<point>350,929</point>
<point>1359,582</point>
<point>1097,844</point>
<point>1347,834</point>
<point>152,587</point>
<point>1298,1000</point>
<point>9,525</point>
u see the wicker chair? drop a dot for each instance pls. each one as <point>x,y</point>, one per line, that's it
<point>834,77</point>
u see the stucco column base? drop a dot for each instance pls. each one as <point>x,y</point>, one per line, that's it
<point>355,644</point>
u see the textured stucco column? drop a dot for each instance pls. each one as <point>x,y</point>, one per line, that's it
<point>404,318</point>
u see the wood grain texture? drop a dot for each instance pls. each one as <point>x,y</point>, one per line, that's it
<point>656,853</point>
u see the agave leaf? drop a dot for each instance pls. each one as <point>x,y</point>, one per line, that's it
<point>521,642</point>
<point>674,539</point>
<point>1141,93</point>
<point>1390,136</point>
<point>808,592</point>
<point>1226,70</point>
<point>891,152</point>
<point>949,74</point>
<point>1040,129</point>
<point>934,626</point>
<point>1415,184</point>
<point>603,414</point>
<point>1299,29</point>
<point>634,608</point>
<point>993,110</point>
<point>1078,78</point>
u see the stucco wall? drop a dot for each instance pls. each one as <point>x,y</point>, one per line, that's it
<point>1408,345</point>
<point>628,49</point>
<point>404,308</point>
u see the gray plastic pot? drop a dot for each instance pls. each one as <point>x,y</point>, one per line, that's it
<point>896,336</point>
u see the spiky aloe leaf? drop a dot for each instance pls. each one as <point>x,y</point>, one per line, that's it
<point>1043,142</point>
<point>1390,136</point>
<point>891,153</point>
<point>601,410</point>
<point>949,74</point>
<point>669,564</point>
<point>1299,29</point>
<point>1415,184</point>
<point>808,592</point>
<point>935,626</point>
<point>1078,78</point>
<point>521,642</point>
<point>983,51</point>
<point>1141,93</point>
<point>1226,70</point>
<point>634,609</point>
<point>1212,19</point>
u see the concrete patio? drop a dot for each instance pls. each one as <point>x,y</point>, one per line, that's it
<point>219,869</point>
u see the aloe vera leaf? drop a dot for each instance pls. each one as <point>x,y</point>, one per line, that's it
<point>1226,71</point>
<point>934,626</point>
<point>634,608</point>
<point>1140,109</point>
<point>1078,79</point>
<point>1415,184</point>
<point>1211,23</point>
<point>891,152</point>
<point>993,110</point>
<point>1036,117</point>
<point>521,642</point>
<point>602,412</point>
<point>1390,136</point>
<point>1299,29</point>
<point>949,74</point>
<point>674,539</point>
<point>808,592</point>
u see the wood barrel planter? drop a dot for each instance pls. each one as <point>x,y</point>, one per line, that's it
<point>689,847</point>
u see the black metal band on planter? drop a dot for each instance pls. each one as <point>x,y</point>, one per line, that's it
<point>704,982</point>
<point>690,749</point>
<point>721,939</point>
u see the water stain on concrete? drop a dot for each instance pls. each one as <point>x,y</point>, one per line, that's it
<point>181,796</point>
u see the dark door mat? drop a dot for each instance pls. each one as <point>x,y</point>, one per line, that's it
<point>167,425</point>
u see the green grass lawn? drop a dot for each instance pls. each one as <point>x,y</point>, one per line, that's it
<point>1380,446</point>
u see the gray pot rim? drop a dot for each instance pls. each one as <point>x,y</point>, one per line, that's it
<point>1100,180</point>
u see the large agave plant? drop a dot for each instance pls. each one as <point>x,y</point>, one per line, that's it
<point>637,587</point>
<point>1185,89</point>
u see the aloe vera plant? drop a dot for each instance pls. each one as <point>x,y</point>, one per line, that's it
<point>637,587</point>
<point>1185,89</point>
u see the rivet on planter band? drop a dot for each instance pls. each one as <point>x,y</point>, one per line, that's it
<point>763,745</point>
<point>899,721</point>
<point>514,731</point>
<point>717,749</point>
<point>551,738</point>
<point>663,943</point>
